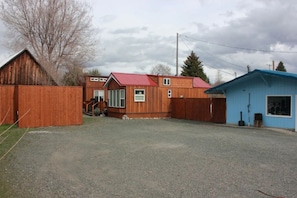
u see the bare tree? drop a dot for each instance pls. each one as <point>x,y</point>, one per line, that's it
<point>93,72</point>
<point>74,77</point>
<point>57,32</point>
<point>161,70</point>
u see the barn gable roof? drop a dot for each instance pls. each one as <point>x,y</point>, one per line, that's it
<point>15,56</point>
<point>220,89</point>
<point>125,79</point>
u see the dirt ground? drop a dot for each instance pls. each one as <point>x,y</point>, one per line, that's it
<point>109,157</point>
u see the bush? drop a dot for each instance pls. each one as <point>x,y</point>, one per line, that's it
<point>97,111</point>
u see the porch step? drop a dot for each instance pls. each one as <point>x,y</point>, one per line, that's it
<point>88,113</point>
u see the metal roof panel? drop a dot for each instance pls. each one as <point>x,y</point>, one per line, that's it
<point>199,83</point>
<point>220,89</point>
<point>125,79</point>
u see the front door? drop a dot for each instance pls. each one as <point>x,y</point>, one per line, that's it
<point>99,95</point>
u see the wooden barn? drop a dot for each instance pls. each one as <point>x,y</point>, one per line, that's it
<point>23,69</point>
<point>149,96</point>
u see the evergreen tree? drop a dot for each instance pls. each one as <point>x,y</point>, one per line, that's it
<point>281,67</point>
<point>193,67</point>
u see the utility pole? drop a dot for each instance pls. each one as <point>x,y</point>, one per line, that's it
<point>176,54</point>
<point>271,65</point>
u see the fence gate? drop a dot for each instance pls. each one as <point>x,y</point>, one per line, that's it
<point>200,109</point>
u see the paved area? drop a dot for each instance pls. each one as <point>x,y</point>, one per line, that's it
<point>109,157</point>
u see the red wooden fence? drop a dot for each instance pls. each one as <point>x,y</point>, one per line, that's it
<point>7,104</point>
<point>200,109</point>
<point>38,106</point>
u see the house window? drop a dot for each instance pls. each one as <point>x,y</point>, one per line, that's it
<point>99,95</point>
<point>109,98</point>
<point>139,95</point>
<point>169,93</point>
<point>116,101</point>
<point>116,98</point>
<point>122,98</point>
<point>93,79</point>
<point>102,79</point>
<point>279,105</point>
<point>166,81</point>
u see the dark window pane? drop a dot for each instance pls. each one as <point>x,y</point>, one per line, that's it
<point>279,105</point>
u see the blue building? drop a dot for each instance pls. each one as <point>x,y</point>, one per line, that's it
<point>269,96</point>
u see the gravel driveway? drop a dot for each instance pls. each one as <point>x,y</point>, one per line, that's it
<point>109,157</point>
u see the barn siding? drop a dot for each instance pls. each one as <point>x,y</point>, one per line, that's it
<point>24,70</point>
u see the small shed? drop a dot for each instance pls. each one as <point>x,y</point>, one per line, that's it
<point>261,98</point>
<point>23,69</point>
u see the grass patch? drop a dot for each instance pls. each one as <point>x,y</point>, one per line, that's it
<point>91,119</point>
<point>9,138</point>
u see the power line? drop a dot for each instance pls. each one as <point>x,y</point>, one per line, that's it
<point>208,65</point>
<point>241,48</point>
<point>210,54</point>
<point>221,70</point>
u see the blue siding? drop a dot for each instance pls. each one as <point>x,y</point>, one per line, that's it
<point>237,99</point>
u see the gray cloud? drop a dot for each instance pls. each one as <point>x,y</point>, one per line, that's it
<point>107,18</point>
<point>261,24</point>
<point>132,49</point>
<point>261,28</point>
<point>227,14</point>
<point>134,30</point>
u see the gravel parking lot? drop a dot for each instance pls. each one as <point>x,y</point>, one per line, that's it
<point>109,157</point>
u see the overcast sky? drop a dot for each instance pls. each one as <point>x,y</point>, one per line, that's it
<point>136,35</point>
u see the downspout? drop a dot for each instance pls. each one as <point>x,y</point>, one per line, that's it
<point>248,107</point>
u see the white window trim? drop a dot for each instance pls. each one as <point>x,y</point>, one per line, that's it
<point>100,93</point>
<point>115,98</point>
<point>282,116</point>
<point>169,93</point>
<point>136,96</point>
<point>122,98</point>
<point>94,79</point>
<point>109,98</point>
<point>166,81</point>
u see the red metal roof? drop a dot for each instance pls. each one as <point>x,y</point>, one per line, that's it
<point>199,83</point>
<point>124,79</point>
